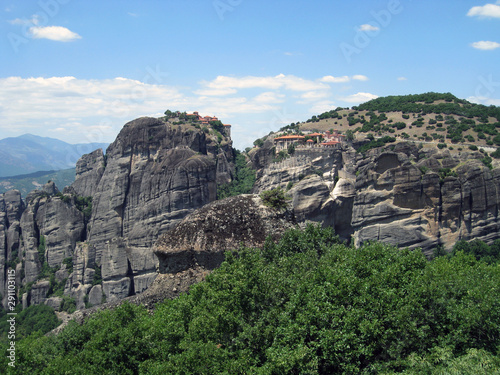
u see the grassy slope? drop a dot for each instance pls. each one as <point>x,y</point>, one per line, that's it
<point>413,131</point>
<point>416,133</point>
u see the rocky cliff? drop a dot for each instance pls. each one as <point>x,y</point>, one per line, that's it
<point>424,201</point>
<point>320,184</point>
<point>399,194</point>
<point>198,243</point>
<point>92,243</point>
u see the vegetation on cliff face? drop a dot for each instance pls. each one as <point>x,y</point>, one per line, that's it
<point>374,143</point>
<point>243,181</point>
<point>307,305</point>
<point>274,198</point>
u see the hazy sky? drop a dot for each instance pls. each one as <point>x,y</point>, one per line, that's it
<point>79,70</point>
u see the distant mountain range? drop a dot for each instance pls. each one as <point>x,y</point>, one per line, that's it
<point>30,153</point>
<point>29,182</point>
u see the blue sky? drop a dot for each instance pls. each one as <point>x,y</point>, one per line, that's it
<point>79,70</point>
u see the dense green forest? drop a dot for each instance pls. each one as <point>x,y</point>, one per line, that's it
<point>35,318</point>
<point>307,305</point>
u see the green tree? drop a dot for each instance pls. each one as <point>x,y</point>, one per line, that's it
<point>480,250</point>
<point>349,135</point>
<point>274,198</point>
<point>258,142</point>
<point>41,249</point>
<point>217,125</point>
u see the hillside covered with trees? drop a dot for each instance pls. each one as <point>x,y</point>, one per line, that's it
<point>307,305</point>
<point>430,117</point>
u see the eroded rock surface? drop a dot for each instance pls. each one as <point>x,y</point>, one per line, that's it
<point>399,194</point>
<point>88,173</point>
<point>201,239</point>
<point>99,249</point>
<point>401,203</point>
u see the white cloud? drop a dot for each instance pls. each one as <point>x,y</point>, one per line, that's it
<point>322,107</point>
<point>368,27</point>
<point>23,21</point>
<point>332,79</point>
<point>315,95</point>
<point>485,45</point>
<point>485,11</point>
<point>132,14</point>
<point>96,109</point>
<point>225,107</point>
<point>343,79</point>
<point>402,79</point>
<point>360,97</point>
<point>269,97</point>
<point>288,53</point>
<point>360,77</point>
<point>26,102</point>
<point>484,100</point>
<point>58,33</point>
<point>215,92</point>
<point>288,82</point>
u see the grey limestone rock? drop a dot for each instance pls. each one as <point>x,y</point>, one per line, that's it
<point>88,173</point>
<point>38,293</point>
<point>95,295</point>
<point>62,226</point>
<point>54,302</point>
<point>410,206</point>
<point>396,194</point>
<point>155,175</point>
<point>14,205</point>
<point>201,239</point>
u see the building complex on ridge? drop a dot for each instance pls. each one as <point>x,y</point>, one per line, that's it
<point>205,120</point>
<point>312,140</point>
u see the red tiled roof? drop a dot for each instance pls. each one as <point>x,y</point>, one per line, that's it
<point>310,141</point>
<point>227,125</point>
<point>329,143</point>
<point>314,134</point>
